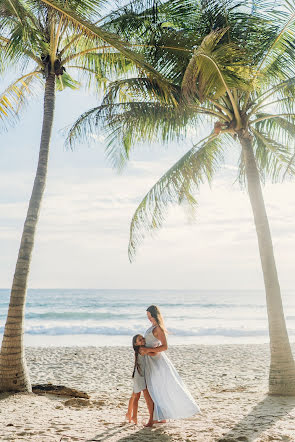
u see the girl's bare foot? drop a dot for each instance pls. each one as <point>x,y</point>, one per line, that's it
<point>134,419</point>
<point>128,417</point>
<point>150,423</point>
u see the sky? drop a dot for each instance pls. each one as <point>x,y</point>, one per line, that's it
<point>83,231</point>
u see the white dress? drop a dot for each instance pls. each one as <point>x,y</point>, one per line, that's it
<point>171,398</point>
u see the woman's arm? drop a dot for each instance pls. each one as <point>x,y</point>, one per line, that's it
<point>159,334</point>
<point>147,351</point>
<point>150,352</point>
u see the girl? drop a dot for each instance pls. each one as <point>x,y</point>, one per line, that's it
<point>139,384</point>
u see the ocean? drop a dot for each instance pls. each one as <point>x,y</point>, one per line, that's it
<point>62,317</point>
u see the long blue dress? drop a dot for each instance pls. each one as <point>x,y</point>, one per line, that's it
<point>171,398</point>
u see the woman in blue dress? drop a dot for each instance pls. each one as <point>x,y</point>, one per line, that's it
<point>171,398</point>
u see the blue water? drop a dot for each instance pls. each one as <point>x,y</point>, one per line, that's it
<point>112,317</point>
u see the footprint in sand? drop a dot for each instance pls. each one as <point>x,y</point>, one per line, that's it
<point>77,402</point>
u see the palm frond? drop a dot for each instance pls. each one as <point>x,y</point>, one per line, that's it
<point>278,128</point>
<point>15,97</point>
<point>129,124</point>
<point>177,186</point>
<point>143,88</point>
<point>112,39</point>
<point>279,91</point>
<point>147,15</point>
<point>274,160</point>
<point>97,70</point>
<point>215,71</point>
<point>202,68</point>
<point>66,81</point>
<point>277,63</point>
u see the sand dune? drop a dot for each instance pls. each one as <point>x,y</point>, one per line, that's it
<point>229,382</point>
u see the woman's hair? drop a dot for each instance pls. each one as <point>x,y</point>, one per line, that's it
<point>136,352</point>
<point>156,314</point>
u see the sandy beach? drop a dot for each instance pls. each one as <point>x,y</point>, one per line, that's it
<point>229,382</point>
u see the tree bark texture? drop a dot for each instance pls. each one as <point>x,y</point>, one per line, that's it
<point>282,367</point>
<point>13,370</point>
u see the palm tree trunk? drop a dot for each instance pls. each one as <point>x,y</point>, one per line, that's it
<point>13,370</point>
<point>282,367</point>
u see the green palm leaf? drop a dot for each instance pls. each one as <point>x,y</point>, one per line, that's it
<point>16,96</point>
<point>110,38</point>
<point>178,185</point>
<point>274,160</point>
<point>66,81</point>
<point>127,124</point>
<point>278,128</point>
<point>213,70</point>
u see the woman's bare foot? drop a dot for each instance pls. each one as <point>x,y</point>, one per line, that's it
<point>134,419</point>
<point>160,422</point>
<point>150,423</point>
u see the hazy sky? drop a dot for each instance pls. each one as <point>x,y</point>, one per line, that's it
<point>83,230</point>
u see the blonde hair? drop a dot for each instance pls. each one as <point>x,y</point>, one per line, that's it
<point>156,314</point>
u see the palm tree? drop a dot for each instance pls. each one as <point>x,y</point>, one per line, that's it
<point>233,70</point>
<point>47,41</point>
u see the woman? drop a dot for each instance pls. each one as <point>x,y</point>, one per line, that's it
<point>171,398</point>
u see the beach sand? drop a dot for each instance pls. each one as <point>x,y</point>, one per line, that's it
<point>229,382</point>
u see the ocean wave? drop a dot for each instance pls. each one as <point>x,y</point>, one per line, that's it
<point>78,315</point>
<point>130,331</point>
<point>123,308</point>
<point>129,316</point>
<point>80,330</point>
<point>220,331</point>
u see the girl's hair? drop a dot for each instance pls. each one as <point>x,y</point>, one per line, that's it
<point>136,352</point>
<point>156,314</point>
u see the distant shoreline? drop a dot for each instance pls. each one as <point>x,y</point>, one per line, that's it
<point>81,341</point>
<point>125,341</point>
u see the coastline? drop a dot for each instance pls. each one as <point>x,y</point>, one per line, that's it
<point>229,382</point>
<point>90,340</point>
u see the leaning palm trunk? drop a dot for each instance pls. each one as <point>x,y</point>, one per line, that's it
<point>13,371</point>
<point>282,367</point>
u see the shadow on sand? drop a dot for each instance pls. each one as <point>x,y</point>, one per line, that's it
<point>4,396</point>
<point>155,434</point>
<point>263,416</point>
<point>251,427</point>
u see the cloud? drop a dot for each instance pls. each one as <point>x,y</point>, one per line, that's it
<point>85,220</point>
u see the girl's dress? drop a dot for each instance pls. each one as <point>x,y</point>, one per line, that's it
<point>171,398</point>
<point>139,380</point>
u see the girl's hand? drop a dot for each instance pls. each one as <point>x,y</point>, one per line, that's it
<point>143,350</point>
